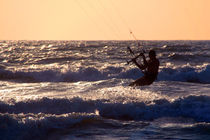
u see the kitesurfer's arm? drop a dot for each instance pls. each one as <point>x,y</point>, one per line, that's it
<point>142,67</point>
<point>144,59</point>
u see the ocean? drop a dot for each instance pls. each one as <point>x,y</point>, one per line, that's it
<point>66,90</point>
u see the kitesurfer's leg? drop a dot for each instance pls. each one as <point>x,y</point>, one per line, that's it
<point>142,81</point>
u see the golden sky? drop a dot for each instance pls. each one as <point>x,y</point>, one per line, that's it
<point>104,19</point>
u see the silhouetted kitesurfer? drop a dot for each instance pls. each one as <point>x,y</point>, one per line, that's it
<point>149,68</point>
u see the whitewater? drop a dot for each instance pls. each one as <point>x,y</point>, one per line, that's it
<point>64,90</point>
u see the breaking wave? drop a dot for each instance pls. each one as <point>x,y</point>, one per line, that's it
<point>186,74</point>
<point>195,107</point>
<point>183,74</point>
<point>47,118</point>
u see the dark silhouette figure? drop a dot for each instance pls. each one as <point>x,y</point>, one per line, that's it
<point>149,68</point>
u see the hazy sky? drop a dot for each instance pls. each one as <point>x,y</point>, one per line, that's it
<point>104,19</point>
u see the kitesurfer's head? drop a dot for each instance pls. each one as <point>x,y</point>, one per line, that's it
<point>152,54</point>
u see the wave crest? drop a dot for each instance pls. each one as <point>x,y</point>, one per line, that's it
<point>183,74</point>
<point>186,74</point>
<point>195,107</point>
